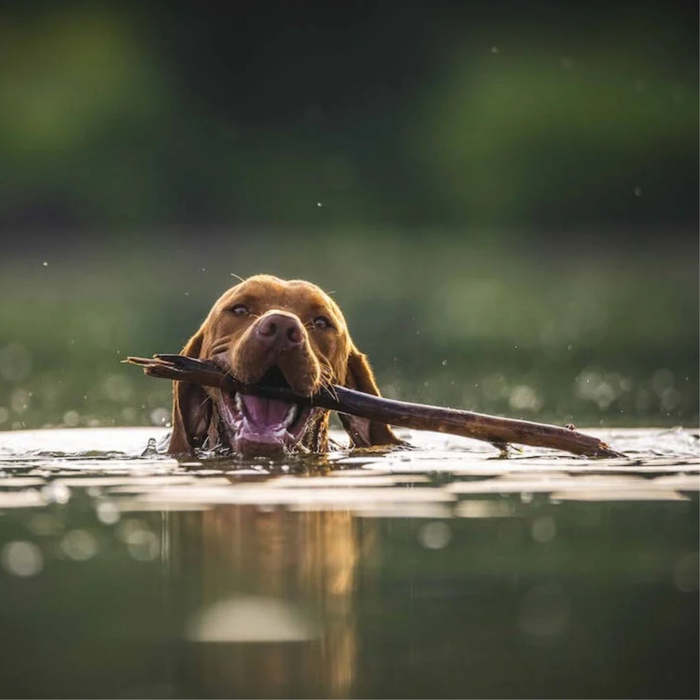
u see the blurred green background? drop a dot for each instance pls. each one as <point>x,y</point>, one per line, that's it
<point>502,197</point>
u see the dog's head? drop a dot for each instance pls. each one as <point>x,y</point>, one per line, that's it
<point>279,333</point>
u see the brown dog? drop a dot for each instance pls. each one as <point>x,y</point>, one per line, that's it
<point>275,332</point>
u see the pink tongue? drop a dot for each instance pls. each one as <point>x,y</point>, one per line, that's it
<point>265,412</point>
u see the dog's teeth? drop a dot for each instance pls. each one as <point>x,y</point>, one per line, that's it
<point>291,415</point>
<point>239,403</point>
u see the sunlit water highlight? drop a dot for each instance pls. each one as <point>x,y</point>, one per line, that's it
<point>439,570</point>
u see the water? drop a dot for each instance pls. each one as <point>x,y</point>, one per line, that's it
<point>439,571</point>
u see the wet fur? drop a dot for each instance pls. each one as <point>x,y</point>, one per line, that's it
<point>322,358</point>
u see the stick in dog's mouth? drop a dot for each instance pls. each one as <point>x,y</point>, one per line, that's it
<point>498,431</point>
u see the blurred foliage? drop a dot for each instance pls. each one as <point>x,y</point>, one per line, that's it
<point>573,336</point>
<point>509,114</point>
<point>502,195</point>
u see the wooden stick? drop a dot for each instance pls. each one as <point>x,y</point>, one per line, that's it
<point>498,431</point>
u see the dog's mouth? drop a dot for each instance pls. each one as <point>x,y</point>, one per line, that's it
<point>260,426</point>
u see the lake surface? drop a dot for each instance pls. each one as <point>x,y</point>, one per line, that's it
<point>437,571</point>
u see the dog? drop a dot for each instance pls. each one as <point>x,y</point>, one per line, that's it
<point>274,332</point>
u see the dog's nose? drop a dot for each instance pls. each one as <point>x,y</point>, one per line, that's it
<point>284,331</point>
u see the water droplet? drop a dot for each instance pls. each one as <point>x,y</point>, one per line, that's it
<point>524,397</point>
<point>435,535</point>
<point>160,415</point>
<point>544,529</point>
<point>79,545</point>
<point>22,558</point>
<point>55,492</point>
<point>71,418</point>
<point>107,512</point>
<point>151,448</point>
<point>143,545</point>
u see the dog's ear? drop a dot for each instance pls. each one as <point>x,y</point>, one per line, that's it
<point>362,431</point>
<point>191,407</point>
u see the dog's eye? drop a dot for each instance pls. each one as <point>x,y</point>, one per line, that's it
<point>321,322</point>
<point>240,310</point>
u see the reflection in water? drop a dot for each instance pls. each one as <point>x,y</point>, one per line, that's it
<point>544,611</point>
<point>278,579</point>
<point>434,572</point>
<point>251,619</point>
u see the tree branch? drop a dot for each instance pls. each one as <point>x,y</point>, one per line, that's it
<point>498,431</point>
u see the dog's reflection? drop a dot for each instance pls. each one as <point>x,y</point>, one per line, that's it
<point>276,599</point>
